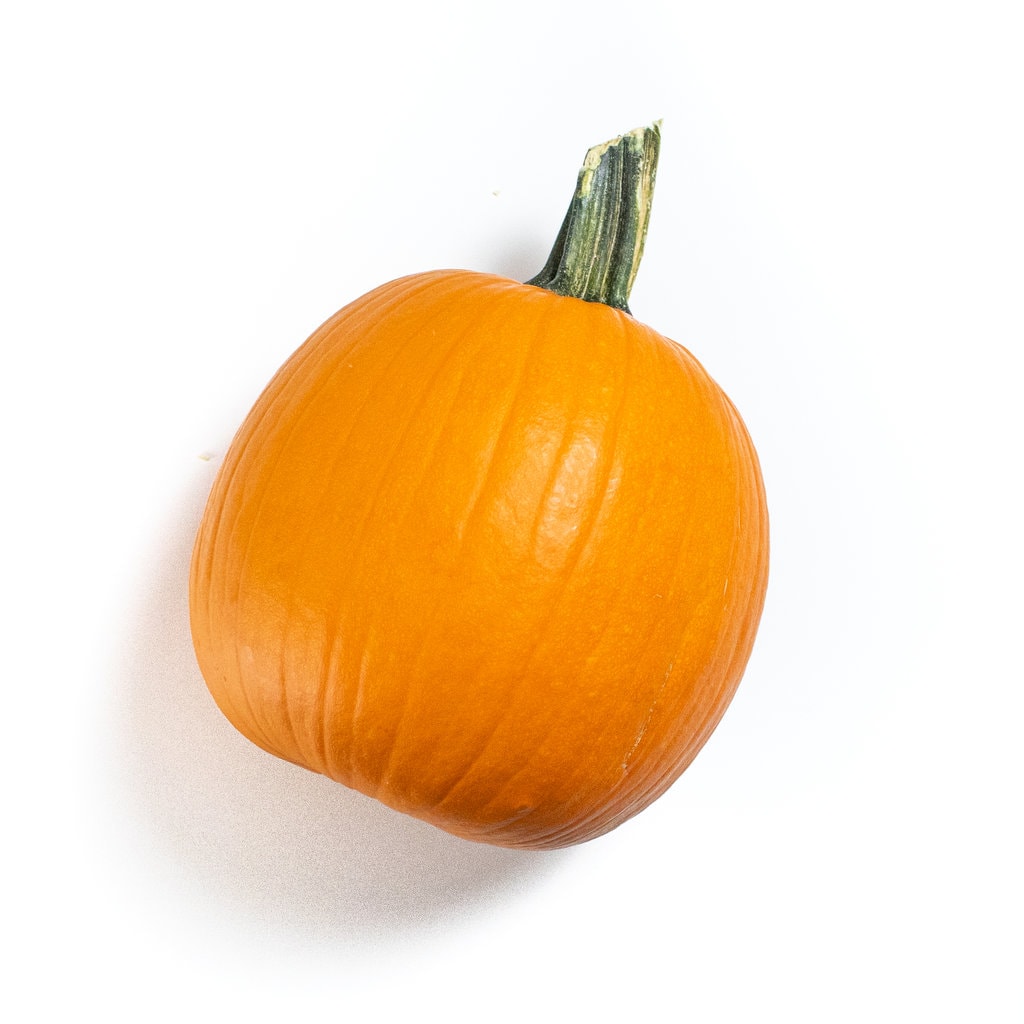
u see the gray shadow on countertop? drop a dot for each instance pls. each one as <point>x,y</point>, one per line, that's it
<point>277,845</point>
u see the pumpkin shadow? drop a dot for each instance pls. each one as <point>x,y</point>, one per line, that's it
<point>275,845</point>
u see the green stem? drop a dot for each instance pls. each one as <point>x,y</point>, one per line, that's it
<point>598,249</point>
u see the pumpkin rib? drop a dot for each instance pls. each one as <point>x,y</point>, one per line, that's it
<point>359,691</point>
<point>331,613</point>
<point>211,533</point>
<point>558,459</point>
<point>425,465</point>
<point>714,705</point>
<point>632,794</point>
<point>643,787</point>
<point>579,546</point>
<point>328,355</point>
<point>655,784</point>
<point>624,792</point>
<point>489,459</point>
<point>277,393</point>
<point>304,366</point>
<point>359,706</point>
<point>488,470</point>
<point>639,790</point>
<point>600,810</point>
<point>329,675</point>
<point>500,441</point>
<point>611,617</point>
<point>608,447</point>
<point>382,771</point>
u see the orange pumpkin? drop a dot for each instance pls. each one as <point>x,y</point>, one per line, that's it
<point>489,553</point>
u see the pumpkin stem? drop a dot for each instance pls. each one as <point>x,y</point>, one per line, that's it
<point>598,249</point>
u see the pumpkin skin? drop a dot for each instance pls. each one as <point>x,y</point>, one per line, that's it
<point>491,555</point>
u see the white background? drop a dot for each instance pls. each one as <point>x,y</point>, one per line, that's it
<point>189,189</point>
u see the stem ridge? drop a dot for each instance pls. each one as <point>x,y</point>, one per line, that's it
<point>601,241</point>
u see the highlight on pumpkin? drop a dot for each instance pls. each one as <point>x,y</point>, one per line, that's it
<point>492,552</point>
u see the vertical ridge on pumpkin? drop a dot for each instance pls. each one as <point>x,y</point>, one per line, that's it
<point>356,546</point>
<point>463,537</point>
<point>209,546</point>
<point>644,786</point>
<point>322,353</point>
<point>333,671</point>
<point>601,494</point>
<point>217,540</point>
<point>499,441</point>
<point>414,689</point>
<point>526,658</point>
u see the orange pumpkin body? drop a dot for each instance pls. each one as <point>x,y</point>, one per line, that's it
<point>491,555</point>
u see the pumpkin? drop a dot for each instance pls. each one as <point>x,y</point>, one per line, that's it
<point>493,553</point>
